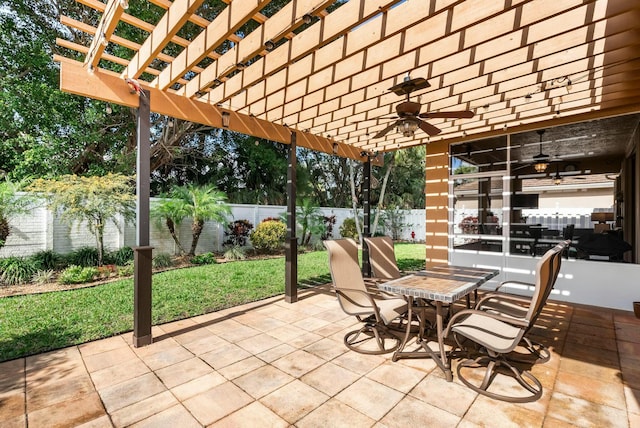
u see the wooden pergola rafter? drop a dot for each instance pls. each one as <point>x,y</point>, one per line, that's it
<point>509,62</point>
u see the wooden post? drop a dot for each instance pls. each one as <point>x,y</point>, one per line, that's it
<point>142,250</point>
<point>291,242</point>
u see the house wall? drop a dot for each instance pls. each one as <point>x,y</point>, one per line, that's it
<point>588,282</point>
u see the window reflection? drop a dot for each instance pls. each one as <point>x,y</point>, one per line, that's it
<point>498,196</point>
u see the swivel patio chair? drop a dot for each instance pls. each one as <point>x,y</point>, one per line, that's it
<point>374,311</point>
<point>497,335</point>
<point>517,307</point>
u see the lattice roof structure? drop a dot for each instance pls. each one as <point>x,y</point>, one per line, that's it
<point>324,68</point>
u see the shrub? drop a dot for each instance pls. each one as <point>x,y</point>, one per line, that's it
<point>105,271</point>
<point>348,228</point>
<point>84,257</point>
<point>43,276</point>
<point>78,275</point>
<point>329,223</point>
<point>269,236</point>
<point>162,260</point>
<point>237,233</point>
<point>47,260</point>
<point>119,257</point>
<point>16,270</point>
<point>235,253</point>
<point>126,270</point>
<point>204,259</point>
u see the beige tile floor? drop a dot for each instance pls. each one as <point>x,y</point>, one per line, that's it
<point>273,364</point>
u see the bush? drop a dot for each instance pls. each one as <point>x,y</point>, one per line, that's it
<point>84,257</point>
<point>47,260</point>
<point>16,270</point>
<point>162,260</point>
<point>119,257</point>
<point>126,270</point>
<point>78,275</point>
<point>269,236</point>
<point>348,228</point>
<point>237,233</point>
<point>204,259</point>
<point>235,253</point>
<point>43,276</point>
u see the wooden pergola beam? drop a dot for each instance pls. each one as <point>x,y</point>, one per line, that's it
<point>70,22</point>
<point>111,88</point>
<point>168,26</point>
<point>283,22</point>
<point>112,12</point>
<point>317,35</point>
<point>220,29</point>
<point>138,23</point>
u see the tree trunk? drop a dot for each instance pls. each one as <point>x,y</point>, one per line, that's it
<point>381,200</point>
<point>354,200</point>
<point>100,241</point>
<point>4,231</point>
<point>196,230</point>
<point>172,230</point>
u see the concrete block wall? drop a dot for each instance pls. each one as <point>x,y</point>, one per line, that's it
<point>41,230</point>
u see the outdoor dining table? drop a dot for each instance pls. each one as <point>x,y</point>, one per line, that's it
<point>443,284</point>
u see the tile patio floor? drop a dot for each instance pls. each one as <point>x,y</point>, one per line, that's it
<point>273,364</point>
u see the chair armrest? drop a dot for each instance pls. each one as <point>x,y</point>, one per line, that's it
<point>528,284</point>
<point>502,296</point>
<point>353,290</point>
<point>465,312</point>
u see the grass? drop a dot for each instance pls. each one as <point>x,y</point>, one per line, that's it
<point>36,323</point>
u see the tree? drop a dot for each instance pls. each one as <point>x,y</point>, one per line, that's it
<point>172,212</point>
<point>201,203</point>
<point>11,204</point>
<point>91,200</point>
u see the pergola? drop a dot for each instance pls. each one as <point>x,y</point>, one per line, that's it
<point>317,74</point>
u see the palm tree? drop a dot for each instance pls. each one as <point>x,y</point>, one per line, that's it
<point>310,219</point>
<point>172,212</point>
<point>201,203</point>
<point>11,204</point>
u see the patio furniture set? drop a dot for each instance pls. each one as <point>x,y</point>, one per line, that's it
<point>415,316</point>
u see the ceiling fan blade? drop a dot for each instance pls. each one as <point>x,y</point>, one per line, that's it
<point>382,133</point>
<point>429,128</point>
<point>461,114</point>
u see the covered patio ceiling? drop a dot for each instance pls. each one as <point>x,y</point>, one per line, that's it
<point>324,68</point>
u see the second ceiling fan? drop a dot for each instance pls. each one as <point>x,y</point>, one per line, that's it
<point>409,116</point>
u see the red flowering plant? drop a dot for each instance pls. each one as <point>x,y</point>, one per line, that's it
<point>469,225</point>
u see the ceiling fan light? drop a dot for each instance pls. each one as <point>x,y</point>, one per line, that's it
<point>408,127</point>
<point>540,165</point>
<point>557,180</point>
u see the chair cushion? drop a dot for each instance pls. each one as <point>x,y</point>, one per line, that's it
<point>489,332</point>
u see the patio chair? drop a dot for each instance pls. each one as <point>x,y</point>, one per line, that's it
<point>375,311</point>
<point>382,258</point>
<point>498,335</point>
<point>517,306</point>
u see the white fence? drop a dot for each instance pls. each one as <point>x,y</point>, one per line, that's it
<point>42,230</point>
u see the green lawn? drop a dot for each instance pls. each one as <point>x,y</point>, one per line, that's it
<point>41,322</point>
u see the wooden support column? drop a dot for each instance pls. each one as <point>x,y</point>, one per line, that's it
<point>291,242</point>
<point>142,251</point>
<point>437,203</point>
<point>366,196</point>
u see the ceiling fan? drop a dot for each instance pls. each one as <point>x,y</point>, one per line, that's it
<point>409,116</point>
